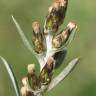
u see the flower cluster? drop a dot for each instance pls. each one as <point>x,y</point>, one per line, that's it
<point>34,85</point>
<point>47,41</point>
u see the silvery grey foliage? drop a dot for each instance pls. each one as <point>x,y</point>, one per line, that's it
<point>11,75</point>
<point>47,41</point>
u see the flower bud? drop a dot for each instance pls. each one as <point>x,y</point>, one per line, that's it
<point>61,38</point>
<point>50,9</point>
<point>45,75</point>
<point>35,26</point>
<point>71,25</point>
<point>37,39</point>
<point>56,5</point>
<point>24,91</point>
<point>25,81</point>
<point>55,16</point>
<point>33,79</point>
<point>31,68</point>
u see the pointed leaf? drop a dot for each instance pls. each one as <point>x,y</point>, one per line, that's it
<point>22,35</point>
<point>39,57</point>
<point>63,74</point>
<point>11,75</point>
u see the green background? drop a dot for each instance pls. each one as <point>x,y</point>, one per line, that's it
<point>82,80</point>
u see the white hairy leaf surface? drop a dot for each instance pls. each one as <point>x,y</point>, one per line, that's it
<point>63,74</point>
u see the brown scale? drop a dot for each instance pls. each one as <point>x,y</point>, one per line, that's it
<point>46,73</point>
<point>34,81</point>
<point>56,14</point>
<point>29,94</point>
<point>37,38</point>
<point>61,38</point>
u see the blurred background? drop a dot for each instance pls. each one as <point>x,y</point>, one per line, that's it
<point>82,80</point>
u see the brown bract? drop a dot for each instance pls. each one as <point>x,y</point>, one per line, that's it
<point>56,5</point>
<point>71,25</point>
<point>25,81</point>
<point>31,68</point>
<point>61,38</point>
<point>62,2</point>
<point>50,62</point>
<point>35,26</point>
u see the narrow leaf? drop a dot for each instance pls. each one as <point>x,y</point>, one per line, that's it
<point>27,44</point>
<point>22,35</point>
<point>12,76</point>
<point>63,74</point>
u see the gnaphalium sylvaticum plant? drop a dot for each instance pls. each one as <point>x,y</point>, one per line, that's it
<point>47,41</point>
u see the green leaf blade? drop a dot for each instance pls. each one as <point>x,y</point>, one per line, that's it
<point>11,75</point>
